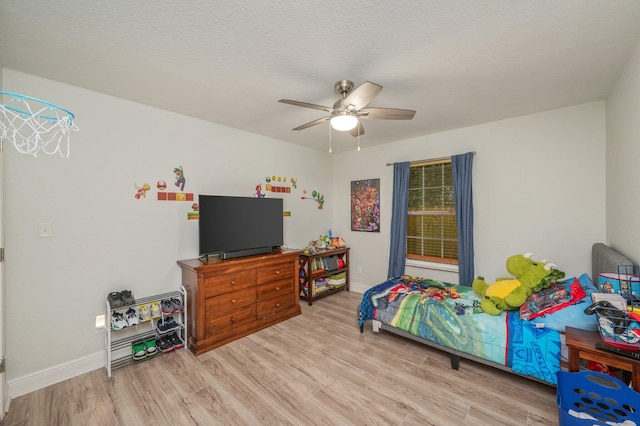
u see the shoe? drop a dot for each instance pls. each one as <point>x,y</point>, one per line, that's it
<point>150,346</point>
<point>139,350</point>
<point>164,344</point>
<point>118,321</point>
<point>115,299</point>
<point>167,306</point>
<point>155,310</point>
<point>175,340</point>
<point>167,325</point>
<point>131,316</point>
<point>177,304</point>
<point>127,297</point>
<point>144,313</point>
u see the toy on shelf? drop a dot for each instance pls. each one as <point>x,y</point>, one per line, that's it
<point>325,242</point>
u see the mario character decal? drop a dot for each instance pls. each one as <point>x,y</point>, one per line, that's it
<point>259,192</point>
<point>315,195</point>
<point>194,214</point>
<point>180,180</point>
<point>141,190</point>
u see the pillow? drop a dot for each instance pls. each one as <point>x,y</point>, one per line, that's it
<point>551,299</point>
<point>572,315</point>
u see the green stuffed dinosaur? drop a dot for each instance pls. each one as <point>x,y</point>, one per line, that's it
<point>508,294</point>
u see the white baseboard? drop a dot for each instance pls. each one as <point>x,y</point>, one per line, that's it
<point>358,288</point>
<point>56,374</point>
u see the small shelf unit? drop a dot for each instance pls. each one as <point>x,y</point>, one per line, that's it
<point>118,342</point>
<point>312,269</point>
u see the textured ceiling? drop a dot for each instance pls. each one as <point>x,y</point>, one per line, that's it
<point>456,62</point>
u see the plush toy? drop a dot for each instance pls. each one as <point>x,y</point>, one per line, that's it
<point>508,294</point>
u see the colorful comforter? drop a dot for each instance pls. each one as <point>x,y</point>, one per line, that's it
<point>450,315</point>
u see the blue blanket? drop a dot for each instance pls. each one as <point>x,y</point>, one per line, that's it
<point>449,315</point>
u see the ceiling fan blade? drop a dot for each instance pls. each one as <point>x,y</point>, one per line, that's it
<point>358,130</point>
<point>362,95</point>
<point>386,114</point>
<point>306,105</point>
<point>313,123</point>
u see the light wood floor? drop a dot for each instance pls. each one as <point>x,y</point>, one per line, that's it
<point>315,369</point>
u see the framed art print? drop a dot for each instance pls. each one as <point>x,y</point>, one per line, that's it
<point>365,205</point>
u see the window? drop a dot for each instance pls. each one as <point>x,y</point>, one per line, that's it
<point>432,233</point>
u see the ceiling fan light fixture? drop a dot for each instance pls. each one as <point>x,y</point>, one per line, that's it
<point>344,121</point>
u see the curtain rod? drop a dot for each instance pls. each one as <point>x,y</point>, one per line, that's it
<point>430,159</point>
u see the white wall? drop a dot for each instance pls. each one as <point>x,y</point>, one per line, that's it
<point>105,239</point>
<point>539,186</point>
<point>623,160</point>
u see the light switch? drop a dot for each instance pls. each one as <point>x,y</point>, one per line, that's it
<point>45,230</point>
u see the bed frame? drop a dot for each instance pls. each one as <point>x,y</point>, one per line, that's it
<point>604,259</point>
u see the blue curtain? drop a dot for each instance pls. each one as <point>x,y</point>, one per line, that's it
<point>461,166</point>
<point>400,207</point>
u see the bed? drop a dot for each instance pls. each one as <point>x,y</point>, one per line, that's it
<point>447,316</point>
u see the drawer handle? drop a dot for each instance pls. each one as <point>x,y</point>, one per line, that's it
<point>277,305</point>
<point>277,288</point>
<point>233,320</point>
<point>233,301</point>
<point>233,282</point>
<point>277,272</point>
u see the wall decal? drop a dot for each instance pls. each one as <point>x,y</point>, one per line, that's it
<point>175,196</point>
<point>194,214</point>
<point>141,190</point>
<point>180,180</point>
<point>315,195</point>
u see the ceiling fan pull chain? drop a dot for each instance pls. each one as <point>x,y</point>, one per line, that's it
<point>358,135</point>
<point>329,139</point>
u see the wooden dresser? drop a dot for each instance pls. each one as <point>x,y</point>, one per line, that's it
<point>229,299</point>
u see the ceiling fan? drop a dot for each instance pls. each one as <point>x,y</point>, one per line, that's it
<point>346,113</point>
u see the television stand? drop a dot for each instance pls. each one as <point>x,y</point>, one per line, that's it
<point>232,298</point>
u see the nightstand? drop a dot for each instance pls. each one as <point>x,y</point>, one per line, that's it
<point>582,345</point>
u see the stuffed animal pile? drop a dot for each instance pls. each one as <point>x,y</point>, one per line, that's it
<point>508,294</point>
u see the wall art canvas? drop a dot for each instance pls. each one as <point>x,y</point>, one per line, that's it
<point>365,205</point>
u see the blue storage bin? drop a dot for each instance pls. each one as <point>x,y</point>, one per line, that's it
<point>602,397</point>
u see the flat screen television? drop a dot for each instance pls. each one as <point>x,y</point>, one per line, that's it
<point>239,226</point>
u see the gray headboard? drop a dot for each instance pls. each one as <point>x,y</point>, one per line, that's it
<point>606,259</point>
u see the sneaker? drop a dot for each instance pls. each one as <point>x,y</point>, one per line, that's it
<point>150,346</point>
<point>144,313</point>
<point>132,316</point>
<point>127,297</point>
<point>164,344</point>
<point>138,350</point>
<point>175,340</point>
<point>167,325</point>
<point>118,321</point>
<point>115,299</point>
<point>177,304</point>
<point>155,310</point>
<point>167,306</point>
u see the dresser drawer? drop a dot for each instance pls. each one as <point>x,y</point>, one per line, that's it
<point>274,289</point>
<point>223,324</point>
<point>222,284</point>
<point>230,301</point>
<point>274,272</point>
<point>275,305</point>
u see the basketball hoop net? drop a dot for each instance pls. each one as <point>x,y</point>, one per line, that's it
<point>35,126</point>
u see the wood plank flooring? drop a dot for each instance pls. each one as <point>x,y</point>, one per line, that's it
<point>314,369</point>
